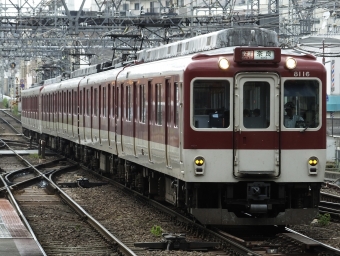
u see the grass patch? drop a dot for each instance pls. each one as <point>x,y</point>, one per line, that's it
<point>156,230</point>
<point>5,103</point>
<point>35,156</point>
<point>324,219</point>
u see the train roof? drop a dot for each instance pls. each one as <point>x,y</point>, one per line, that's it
<point>231,37</point>
<point>237,36</point>
<point>219,42</point>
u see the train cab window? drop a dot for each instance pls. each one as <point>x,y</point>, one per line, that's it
<point>256,105</point>
<point>211,104</point>
<point>301,104</point>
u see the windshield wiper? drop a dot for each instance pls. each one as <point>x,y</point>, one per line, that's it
<point>307,126</point>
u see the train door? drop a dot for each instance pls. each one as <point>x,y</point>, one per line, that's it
<point>88,115</point>
<point>82,112</point>
<point>128,125</point>
<point>49,99</point>
<point>80,118</point>
<point>64,112</point>
<point>109,113</point>
<point>112,117</point>
<point>119,118</point>
<point>256,127</point>
<point>56,112</point>
<point>103,114</point>
<point>134,115</point>
<point>60,116</point>
<point>69,113</point>
<point>95,114</point>
<point>150,118</point>
<point>168,121</point>
<point>91,114</point>
<point>75,113</point>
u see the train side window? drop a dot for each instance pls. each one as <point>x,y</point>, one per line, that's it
<point>80,103</point>
<point>179,48</point>
<point>256,105</point>
<point>50,97</point>
<point>75,102</point>
<point>211,104</point>
<point>65,103</point>
<point>69,102</point>
<point>142,108</point>
<point>104,101</point>
<point>88,102</point>
<point>168,108</point>
<point>176,100</point>
<point>119,101</point>
<point>128,103</point>
<point>301,104</point>
<point>60,102</point>
<point>112,102</point>
<point>159,114</point>
<point>95,103</point>
<point>42,104</point>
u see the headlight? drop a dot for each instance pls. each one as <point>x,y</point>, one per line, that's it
<point>223,63</point>
<point>199,165</point>
<point>199,161</point>
<point>313,161</point>
<point>291,63</point>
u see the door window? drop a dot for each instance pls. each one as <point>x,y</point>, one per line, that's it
<point>256,105</point>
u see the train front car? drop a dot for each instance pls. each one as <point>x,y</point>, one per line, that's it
<point>254,133</point>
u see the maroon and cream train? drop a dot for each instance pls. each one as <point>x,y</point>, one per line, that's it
<point>226,125</point>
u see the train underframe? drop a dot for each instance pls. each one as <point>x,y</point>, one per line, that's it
<point>241,203</point>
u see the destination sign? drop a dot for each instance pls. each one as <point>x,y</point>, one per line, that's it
<point>258,55</point>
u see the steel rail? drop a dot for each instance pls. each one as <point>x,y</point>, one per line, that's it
<point>15,130</point>
<point>16,119</point>
<point>70,202</point>
<point>89,219</point>
<point>237,247</point>
<point>335,250</point>
<point>21,215</point>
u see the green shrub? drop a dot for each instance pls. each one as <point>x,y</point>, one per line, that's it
<point>156,230</point>
<point>15,110</point>
<point>5,103</point>
<point>324,219</point>
<point>34,156</point>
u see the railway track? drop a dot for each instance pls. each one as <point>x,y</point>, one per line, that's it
<point>36,188</point>
<point>34,202</point>
<point>55,218</point>
<point>277,241</point>
<point>9,124</point>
